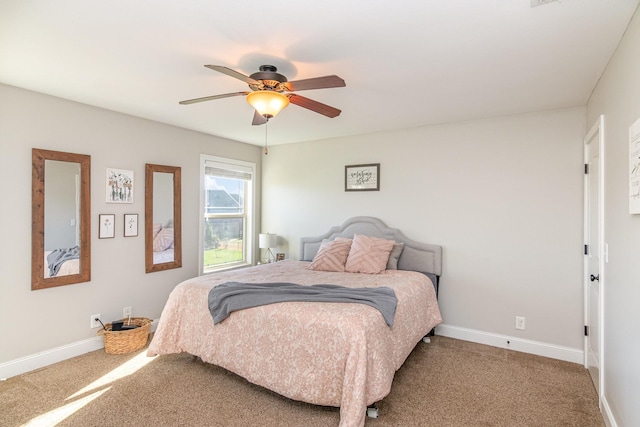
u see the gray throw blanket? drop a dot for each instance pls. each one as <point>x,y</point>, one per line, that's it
<point>58,256</point>
<point>232,296</point>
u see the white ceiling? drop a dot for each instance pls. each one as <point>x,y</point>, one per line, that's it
<point>406,63</point>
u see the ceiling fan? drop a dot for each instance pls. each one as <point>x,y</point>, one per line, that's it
<point>271,92</point>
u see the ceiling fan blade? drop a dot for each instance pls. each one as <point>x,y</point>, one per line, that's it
<point>316,106</point>
<point>315,83</point>
<point>233,73</point>
<point>258,119</point>
<point>210,98</point>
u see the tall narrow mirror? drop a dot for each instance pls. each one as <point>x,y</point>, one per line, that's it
<point>60,222</point>
<point>163,218</point>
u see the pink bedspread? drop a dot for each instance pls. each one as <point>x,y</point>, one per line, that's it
<point>333,354</point>
<point>71,266</point>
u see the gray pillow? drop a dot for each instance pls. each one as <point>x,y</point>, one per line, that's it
<point>392,263</point>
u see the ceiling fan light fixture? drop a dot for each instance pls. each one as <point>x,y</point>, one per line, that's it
<point>267,102</point>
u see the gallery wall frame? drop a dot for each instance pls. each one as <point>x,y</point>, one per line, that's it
<point>634,168</point>
<point>107,226</point>
<point>119,186</point>
<point>130,225</point>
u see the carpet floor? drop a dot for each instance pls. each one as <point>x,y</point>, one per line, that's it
<point>445,383</point>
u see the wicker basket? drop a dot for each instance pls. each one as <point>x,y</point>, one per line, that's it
<point>127,341</point>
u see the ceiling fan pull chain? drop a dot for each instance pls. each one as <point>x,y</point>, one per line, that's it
<point>266,127</point>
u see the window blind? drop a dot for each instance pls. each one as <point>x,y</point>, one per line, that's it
<point>227,171</point>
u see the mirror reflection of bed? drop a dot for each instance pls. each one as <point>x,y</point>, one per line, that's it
<point>163,234</point>
<point>60,227</point>
<point>61,262</point>
<point>61,206</point>
<point>162,218</point>
<point>163,242</point>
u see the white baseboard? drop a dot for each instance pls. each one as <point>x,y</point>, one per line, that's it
<point>518,344</point>
<point>49,357</point>
<point>609,419</point>
<point>58,354</point>
<point>54,355</point>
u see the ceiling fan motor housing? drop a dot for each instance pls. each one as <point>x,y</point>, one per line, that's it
<point>270,78</point>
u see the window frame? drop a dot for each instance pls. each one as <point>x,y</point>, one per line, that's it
<point>250,211</point>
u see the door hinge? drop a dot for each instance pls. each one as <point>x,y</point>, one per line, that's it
<point>586,249</point>
<point>586,331</point>
<point>586,168</point>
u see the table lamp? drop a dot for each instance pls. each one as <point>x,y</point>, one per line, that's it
<point>268,241</point>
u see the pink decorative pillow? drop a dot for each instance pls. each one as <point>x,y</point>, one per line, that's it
<point>156,228</point>
<point>368,254</point>
<point>331,256</point>
<point>163,240</point>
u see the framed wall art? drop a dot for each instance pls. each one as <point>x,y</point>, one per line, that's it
<point>107,228</point>
<point>634,168</point>
<point>130,225</point>
<point>119,186</point>
<point>362,177</point>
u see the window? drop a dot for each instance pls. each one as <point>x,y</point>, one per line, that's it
<point>226,225</point>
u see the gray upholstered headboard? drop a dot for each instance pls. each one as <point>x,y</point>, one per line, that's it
<point>415,256</point>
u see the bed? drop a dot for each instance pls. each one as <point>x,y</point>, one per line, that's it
<point>163,237</point>
<point>61,262</point>
<point>332,354</point>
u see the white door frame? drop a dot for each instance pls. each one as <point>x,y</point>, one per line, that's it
<point>597,131</point>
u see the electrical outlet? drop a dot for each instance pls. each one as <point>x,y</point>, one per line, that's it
<point>94,322</point>
<point>520,322</point>
<point>126,312</point>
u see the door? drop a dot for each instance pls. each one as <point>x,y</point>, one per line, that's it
<point>593,265</point>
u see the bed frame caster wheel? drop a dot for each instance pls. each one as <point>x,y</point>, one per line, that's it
<point>372,411</point>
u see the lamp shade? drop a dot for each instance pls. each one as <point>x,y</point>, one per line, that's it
<point>267,103</point>
<point>267,241</point>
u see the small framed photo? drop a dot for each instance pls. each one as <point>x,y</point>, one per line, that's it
<point>107,229</point>
<point>279,256</point>
<point>130,225</point>
<point>119,186</point>
<point>362,177</point>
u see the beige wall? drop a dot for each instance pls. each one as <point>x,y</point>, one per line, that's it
<point>617,97</point>
<point>35,321</point>
<point>503,196</point>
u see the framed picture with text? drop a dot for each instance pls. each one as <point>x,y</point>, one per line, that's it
<point>362,177</point>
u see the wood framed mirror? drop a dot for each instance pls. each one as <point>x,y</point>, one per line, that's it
<point>163,218</point>
<point>60,218</point>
